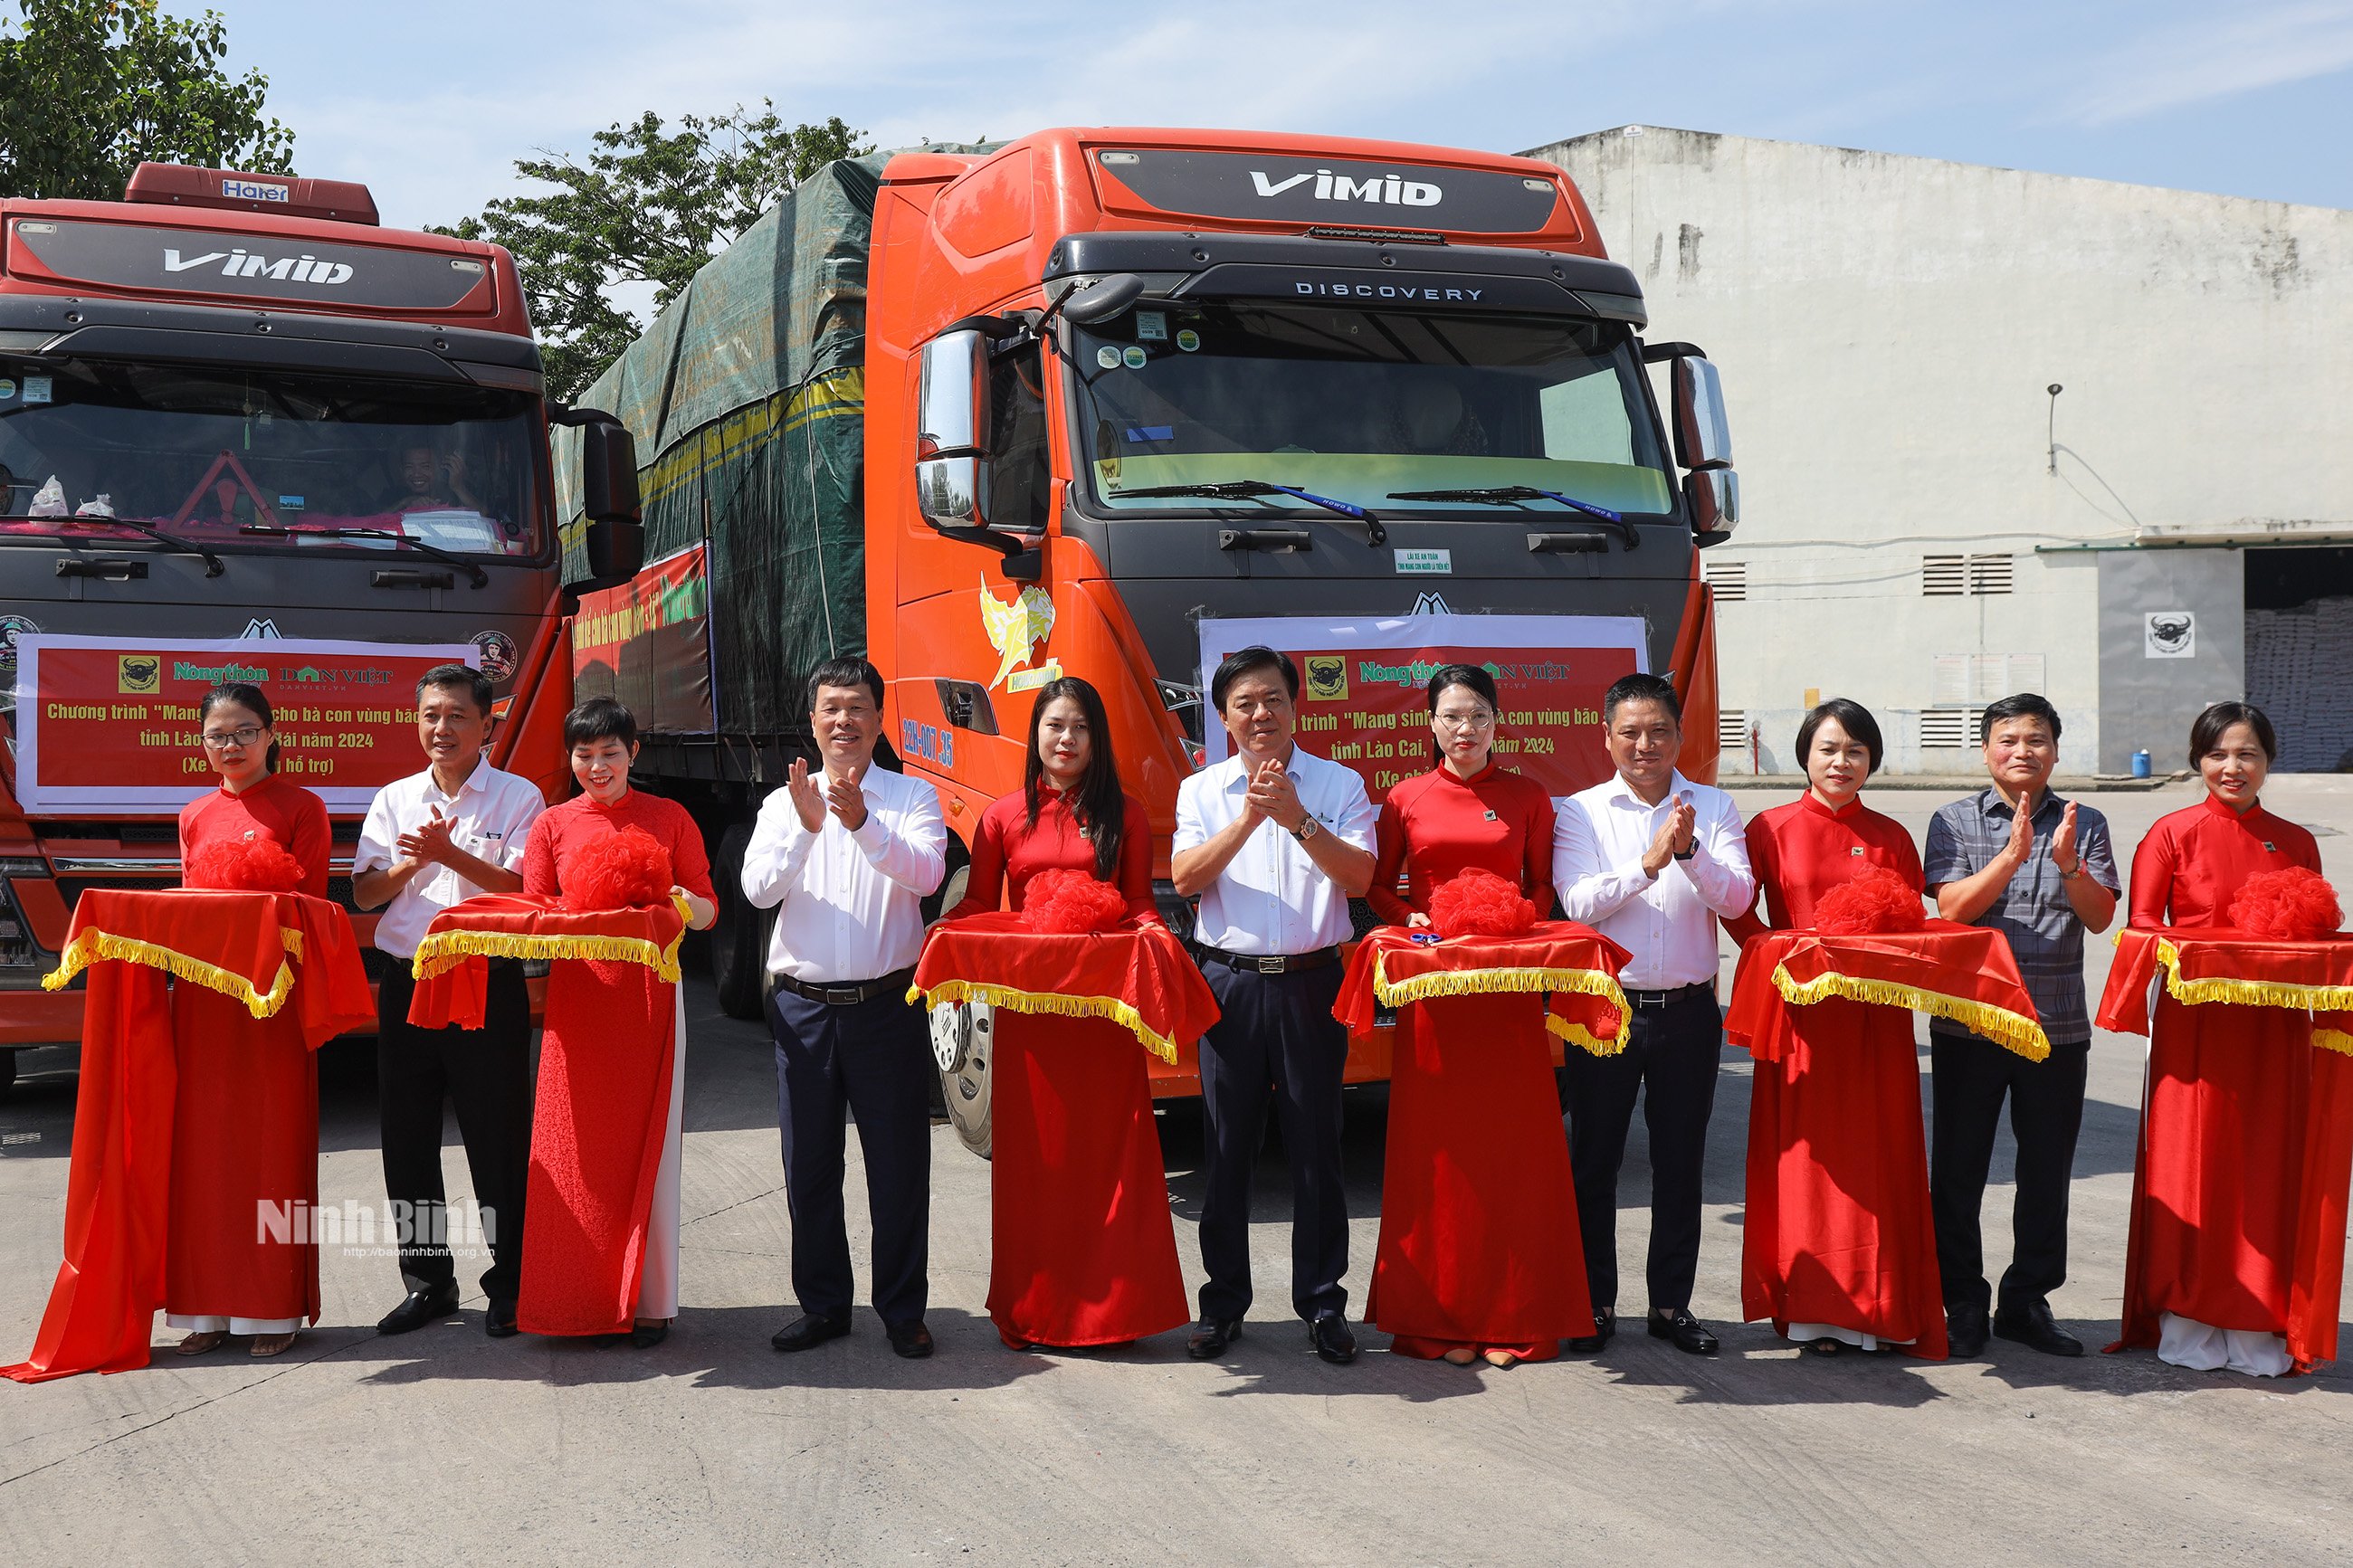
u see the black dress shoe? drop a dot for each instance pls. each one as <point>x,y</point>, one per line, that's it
<point>809,1331</point>
<point>419,1308</point>
<point>646,1336</point>
<point>911,1340</point>
<point>1605,1328</point>
<point>2031,1325</point>
<point>1965,1331</point>
<point>498,1320</point>
<point>1687,1333</point>
<point>1330,1336</point>
<point>1211,1337</point>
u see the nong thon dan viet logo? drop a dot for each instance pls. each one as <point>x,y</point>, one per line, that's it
<point>138,674</point>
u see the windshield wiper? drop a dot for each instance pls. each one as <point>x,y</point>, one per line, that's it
<point>1259,490</point>
<point>213,567</point>
<point>1512,495</point>
<point>481,578</point>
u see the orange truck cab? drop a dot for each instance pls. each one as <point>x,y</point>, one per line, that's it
<point>1124,385</point>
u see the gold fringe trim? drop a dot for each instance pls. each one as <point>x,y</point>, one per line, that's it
<point>444,950</point>
<point>93,945</point>
<point>1490,982</point>
<point>1052,1003</point>
<point>2250,992</point>
<point>2012,1031</point>
<point>2336,1040</point>
<point>1577,1034</point>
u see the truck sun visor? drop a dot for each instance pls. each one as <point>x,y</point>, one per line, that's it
<point>220,265</point>
<point>1266,188</point>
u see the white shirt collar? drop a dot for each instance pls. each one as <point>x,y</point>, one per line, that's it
<point>1619,790</point>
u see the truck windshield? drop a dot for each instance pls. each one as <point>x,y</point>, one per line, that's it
<point>1357,403</point>
<point>213,452</point>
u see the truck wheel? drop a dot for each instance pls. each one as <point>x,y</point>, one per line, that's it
<point>739,939</point>
<point>963,1043</point>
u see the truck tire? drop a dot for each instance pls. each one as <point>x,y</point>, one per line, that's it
<point>963,1044</point>
<point>739,939</point>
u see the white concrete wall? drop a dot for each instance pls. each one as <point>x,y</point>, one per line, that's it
<point>1885,327</point>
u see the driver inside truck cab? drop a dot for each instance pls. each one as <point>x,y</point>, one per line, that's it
<point>1428,416</point>
<point>431,480</point>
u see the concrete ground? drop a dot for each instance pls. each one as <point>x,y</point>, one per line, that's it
<point>712,1448</point>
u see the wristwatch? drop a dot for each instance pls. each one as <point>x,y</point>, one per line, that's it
<point>2065,875</point>
<point>1308,828</point>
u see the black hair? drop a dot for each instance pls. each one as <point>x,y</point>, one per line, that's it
<point>1473,678</point>
<point>1642,688</point>
<point>1853,717</point>
<point>599,719</point>
<point>1096,802</point>
<point>848,672</point>
<point>2206,730</point>
<point>2020,705</point>
<point>1241,662</point>
<point>249,698</point>
<point>456,676</point>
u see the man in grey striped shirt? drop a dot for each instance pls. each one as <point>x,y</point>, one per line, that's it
<point>2040,870</point>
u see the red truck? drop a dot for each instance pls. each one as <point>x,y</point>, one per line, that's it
<point>247,432</point>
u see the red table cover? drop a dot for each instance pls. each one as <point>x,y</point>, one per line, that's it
<point>1963,972</point>
<point>1137,975</point>
<point>1838,1228</point>
<point>2217,964</point>
<point>2253,1133</point>
<point>1480,1244</point>
<point>602,1106</point>
<point>263,949</point>
<point>1393,966</point>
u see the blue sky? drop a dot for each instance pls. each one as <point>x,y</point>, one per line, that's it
<point>430,101</point>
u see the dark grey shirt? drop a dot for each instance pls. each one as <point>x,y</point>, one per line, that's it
<point>2032,911</point>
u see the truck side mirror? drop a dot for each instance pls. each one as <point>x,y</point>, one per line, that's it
<point>1702,436</point>
<point>615,540</point>
<point>1712,497</point>
<point>951,426</point>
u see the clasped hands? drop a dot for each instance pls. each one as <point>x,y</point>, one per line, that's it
<point>1675,838</point>
<point>1274,795</point>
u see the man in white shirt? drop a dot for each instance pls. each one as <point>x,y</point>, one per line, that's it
<point>431,840</point>
<point>846,856</point>
<point>1275,842</point>
<point>1650,861</point>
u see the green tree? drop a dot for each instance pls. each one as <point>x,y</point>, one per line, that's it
<point>648,205</point>
<point>88,88</point>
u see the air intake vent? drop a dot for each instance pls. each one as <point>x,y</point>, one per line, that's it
<point>1950,729</point>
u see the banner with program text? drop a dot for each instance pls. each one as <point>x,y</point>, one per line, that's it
<point>647,643</point>
<point>1363,701</point>
<point>108,724</point>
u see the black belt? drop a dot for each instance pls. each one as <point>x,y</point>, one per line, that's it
<point>846,995</point>
<point>1268,963</point>
<point>1669,998</point>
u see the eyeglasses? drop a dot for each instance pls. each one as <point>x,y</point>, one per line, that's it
<point>1458,721</point>
<point>219,739</point>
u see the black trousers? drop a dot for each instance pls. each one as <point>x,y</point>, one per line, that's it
<point>1275,1043</point>
<point>1670,1061</point>
<point>2046,1111</point>
<point>485,1074</point>
<point>873,1060</point>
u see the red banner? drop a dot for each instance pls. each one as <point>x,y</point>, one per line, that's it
<point>647,643</point>
<point>1363,688</point>
<point>110,724</point>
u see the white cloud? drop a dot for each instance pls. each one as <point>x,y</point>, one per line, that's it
<point>2222,53</point>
